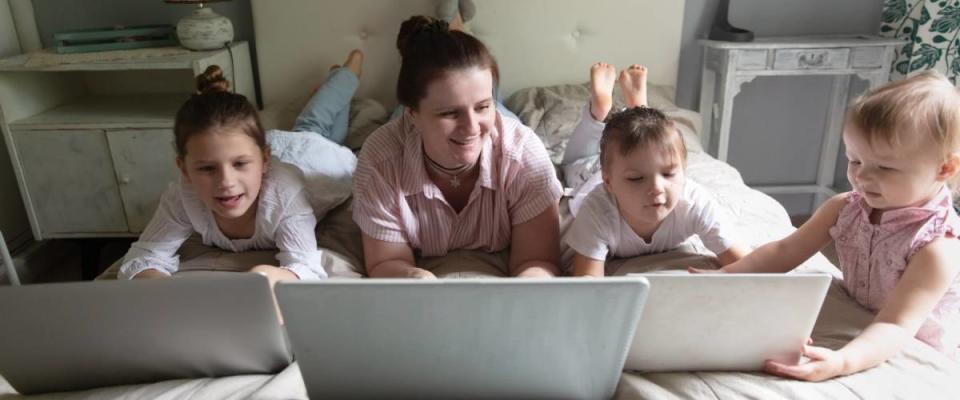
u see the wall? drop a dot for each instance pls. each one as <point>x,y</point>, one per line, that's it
<point>13,217</point>
<point>794,106</point>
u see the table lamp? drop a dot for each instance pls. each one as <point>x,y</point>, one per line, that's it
<point>203,29</point>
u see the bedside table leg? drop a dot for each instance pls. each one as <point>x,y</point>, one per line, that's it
<point>832,135</point>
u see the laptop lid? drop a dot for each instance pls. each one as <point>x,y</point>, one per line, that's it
<point>725,322</point>
<point>80,335</point>
<point>479,338</point>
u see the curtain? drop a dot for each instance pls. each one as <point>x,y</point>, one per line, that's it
<point>932,27</point>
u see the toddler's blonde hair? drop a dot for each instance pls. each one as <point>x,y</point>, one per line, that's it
<point>923,104</point>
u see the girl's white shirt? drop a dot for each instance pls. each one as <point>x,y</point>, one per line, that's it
<point>285,222</point>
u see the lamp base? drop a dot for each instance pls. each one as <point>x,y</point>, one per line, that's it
<point>204,30</point>
<point>730,34</point>
<point>722,30</point>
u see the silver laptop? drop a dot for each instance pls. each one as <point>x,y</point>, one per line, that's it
<point>725,322</point>
<point>80,335</point>
<point>480,338</point>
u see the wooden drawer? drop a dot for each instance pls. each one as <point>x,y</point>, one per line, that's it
<point>806,59</point>
<point>866,57</point>
<point>752,59</point>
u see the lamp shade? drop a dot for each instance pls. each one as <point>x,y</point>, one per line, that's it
<point>203,29</point>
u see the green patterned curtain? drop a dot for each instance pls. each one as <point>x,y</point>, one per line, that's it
<point>932,28</point>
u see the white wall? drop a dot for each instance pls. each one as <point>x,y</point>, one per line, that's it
<point>778,122</point>
<point>13,217</point>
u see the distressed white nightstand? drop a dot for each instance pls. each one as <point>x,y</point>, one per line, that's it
<point>91,142</point>
<point>728,65</point>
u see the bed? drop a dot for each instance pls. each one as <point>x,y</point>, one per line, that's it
<point>544,48</point>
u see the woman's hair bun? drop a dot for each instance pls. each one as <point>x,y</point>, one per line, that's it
<point>212,81</point>
<point>417,27</point>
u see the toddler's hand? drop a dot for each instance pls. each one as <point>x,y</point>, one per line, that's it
<point>823,364</point>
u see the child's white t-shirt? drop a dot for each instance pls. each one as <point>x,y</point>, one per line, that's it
<point>599,232</point>
<point>285,222</point>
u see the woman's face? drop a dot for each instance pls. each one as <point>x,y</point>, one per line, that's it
<point>457,112</point>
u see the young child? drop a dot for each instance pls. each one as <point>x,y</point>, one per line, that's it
<point>231,192</point>
<point>895,233</point>
<point>641,202</point>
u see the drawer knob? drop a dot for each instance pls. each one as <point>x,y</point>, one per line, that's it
<point>125,180</point>
<point>812,59</point>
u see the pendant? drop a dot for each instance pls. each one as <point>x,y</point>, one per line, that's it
<point>455,182</point>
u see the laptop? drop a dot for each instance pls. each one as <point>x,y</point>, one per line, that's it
<point>81,335</point>
<point>725,322</point>
<point>561,338</point>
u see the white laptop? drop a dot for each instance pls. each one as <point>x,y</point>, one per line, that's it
<point>725,322</point>
<point>80,335</point>
<point>479,338</point>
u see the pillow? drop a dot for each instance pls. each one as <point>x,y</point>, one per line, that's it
<point>554,111</point>
<point>326,166</point>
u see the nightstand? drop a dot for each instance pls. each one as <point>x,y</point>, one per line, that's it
<point>728,65</point>
<point>91,139</point>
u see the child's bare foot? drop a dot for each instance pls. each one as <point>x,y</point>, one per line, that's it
<point>456,24</point>
<point>354,61</point>
<point>602,78</point>
<point>633,82</point>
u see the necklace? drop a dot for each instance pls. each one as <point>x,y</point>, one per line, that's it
<point>454,173</point>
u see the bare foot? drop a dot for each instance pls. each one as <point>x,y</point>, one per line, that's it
<point>456,24</point>
<point>633,82</point>
<point>602,78</point>
<point>354,61</point>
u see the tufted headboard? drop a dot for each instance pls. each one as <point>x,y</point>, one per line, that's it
<point>536,42</point>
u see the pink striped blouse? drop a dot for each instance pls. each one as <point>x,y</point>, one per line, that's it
<point>395,200</point>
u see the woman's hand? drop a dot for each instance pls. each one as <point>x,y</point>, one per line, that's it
<point>823,364</point>
<point>420,273</point>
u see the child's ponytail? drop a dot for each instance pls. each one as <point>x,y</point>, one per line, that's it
<point>212,81</point>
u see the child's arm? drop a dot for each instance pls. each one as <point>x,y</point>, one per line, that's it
<point>923,284</point>
<point>786,254</point>
<point>590,234</point>
<point>712,224</point>
<point>733,254</point>
<point>154,254</point>
<point>586,266</point>
<point>296,241</point>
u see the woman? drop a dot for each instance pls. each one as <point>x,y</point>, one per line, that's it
<point>452,173</point>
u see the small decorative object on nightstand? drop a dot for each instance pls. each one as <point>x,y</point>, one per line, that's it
<point>722,30</point>
<point>729,65</point>
<point>204,29</point>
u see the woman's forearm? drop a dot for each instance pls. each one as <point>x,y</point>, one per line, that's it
<point>397,269</point>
